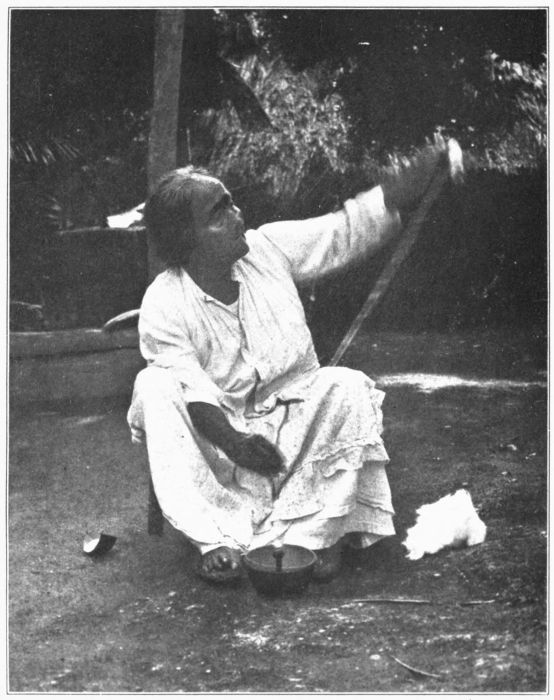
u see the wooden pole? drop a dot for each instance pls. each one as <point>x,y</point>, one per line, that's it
<point>162,140</point>
<point>400,253</point>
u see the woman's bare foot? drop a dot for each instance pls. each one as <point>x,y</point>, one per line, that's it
<point>221,565</point>
<point>328,562</point>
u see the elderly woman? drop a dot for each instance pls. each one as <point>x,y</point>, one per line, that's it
<point>250,441</point>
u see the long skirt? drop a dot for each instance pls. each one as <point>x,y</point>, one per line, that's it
<point>335,481</point>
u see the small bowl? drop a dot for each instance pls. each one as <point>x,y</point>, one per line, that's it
<point>95,546</point>
<point>297,565</point>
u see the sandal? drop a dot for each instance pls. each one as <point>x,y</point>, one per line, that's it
<point>328,564</point>
<point>226,575</point>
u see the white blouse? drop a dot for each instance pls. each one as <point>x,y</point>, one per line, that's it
<point>245,359</point>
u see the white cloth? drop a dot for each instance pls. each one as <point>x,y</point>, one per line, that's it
<point>260,367</point>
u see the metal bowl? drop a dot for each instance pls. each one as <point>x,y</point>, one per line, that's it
<point>282,571</point>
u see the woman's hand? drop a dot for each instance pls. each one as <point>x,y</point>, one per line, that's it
<point>255,453</point>
<point>405,181</point>
<point>252,452</point>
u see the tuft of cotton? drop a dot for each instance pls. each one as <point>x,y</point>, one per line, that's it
<point>451,521</point>
<point>456,160</point>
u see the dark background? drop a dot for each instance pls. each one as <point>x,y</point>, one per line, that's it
<point>81,87</point>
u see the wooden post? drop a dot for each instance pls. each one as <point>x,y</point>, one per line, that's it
<point>162,140</point>
<point>162,151</point>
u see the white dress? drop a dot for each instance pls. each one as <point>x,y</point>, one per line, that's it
<point>255,360</point>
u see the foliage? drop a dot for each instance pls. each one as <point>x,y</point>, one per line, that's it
<point>343,89</point>
<point>102,169</point>
<point>48,150</point>
<point>80,98</point>
<point>310,132</point>
<point>514,108</point>
<point>213,42</point>
<point>390,80</point>
<point>82,80</point>
<point>72,122</point>
<point>474,74</point>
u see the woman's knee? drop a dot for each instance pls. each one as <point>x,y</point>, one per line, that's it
<point>345,378</point>
<point>155,382</point>
<point>158,399</point>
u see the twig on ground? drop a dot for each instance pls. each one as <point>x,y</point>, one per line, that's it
<point>416,601</point>
<point>412,601</point>
<point>415,671</point>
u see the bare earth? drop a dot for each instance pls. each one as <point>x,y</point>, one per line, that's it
<point>139,619</point>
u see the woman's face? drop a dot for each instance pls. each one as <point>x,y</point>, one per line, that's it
<point>218,223</point>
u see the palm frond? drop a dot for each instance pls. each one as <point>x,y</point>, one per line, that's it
<point>249,109</point>
<point>42,150</point>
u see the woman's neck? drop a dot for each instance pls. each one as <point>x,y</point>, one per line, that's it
<point>213,279</point>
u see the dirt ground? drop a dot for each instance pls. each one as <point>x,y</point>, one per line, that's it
<point>139,620</point>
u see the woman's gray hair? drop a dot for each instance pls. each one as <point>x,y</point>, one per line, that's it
<point>168,215</point>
